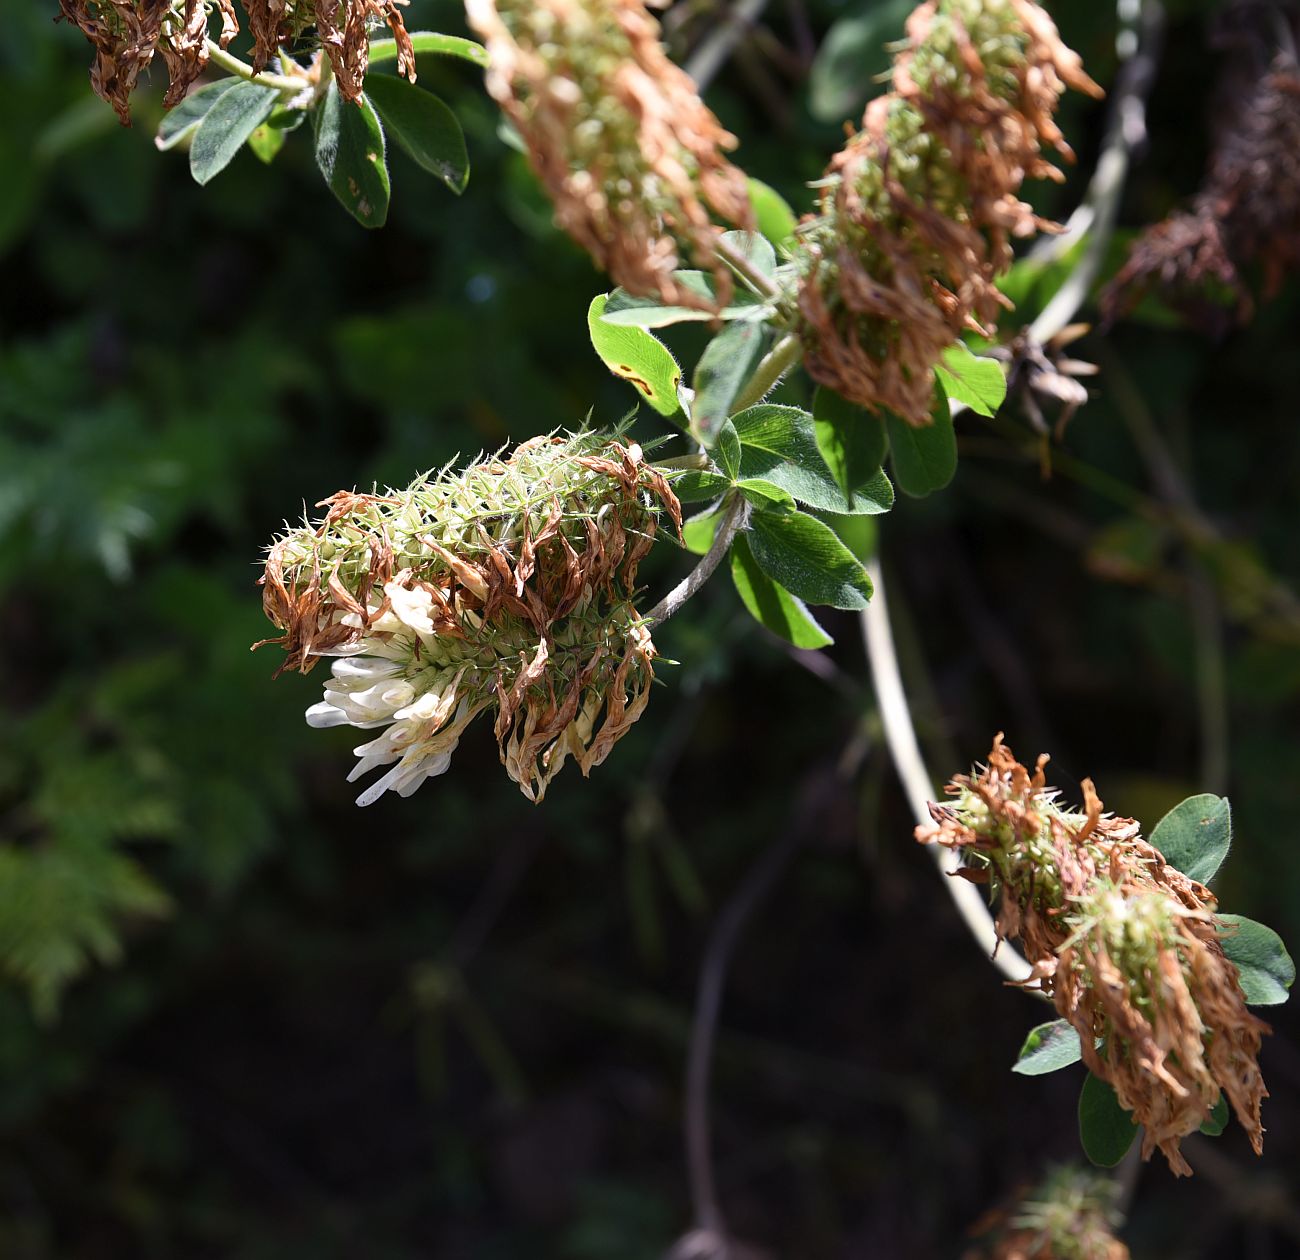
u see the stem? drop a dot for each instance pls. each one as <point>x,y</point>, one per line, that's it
<point>741,265</point>
<point>717,45</point>
<point>242,70</point>
<point>773,366</point>
<point>918,785</point>
<point>1141,25</point>
<point>736,515</point>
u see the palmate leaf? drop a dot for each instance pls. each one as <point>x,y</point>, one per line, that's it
<point>779,444</point>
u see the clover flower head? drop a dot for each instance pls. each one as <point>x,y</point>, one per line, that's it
<point>1127,947</point>
<point>508,586</point>
<point>919,208</point>
<point>631,156</point>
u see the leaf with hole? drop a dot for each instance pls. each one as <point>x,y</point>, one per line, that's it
<point>1264,968</point>
<point>771,605</point>
<point>234,116</point>
<point>638,357</point>
<point>351,156</point>
<point>423,126</point>
<point>1195,835</point>
<point>803,555</point>
<point>1105,1128</point>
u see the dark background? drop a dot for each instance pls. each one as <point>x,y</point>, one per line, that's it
<point>455,1026</point>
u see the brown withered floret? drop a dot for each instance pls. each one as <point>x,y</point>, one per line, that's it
<point>124,35</point>
<point>344,28</point>
<point>1246,215</point>
<point>1127,947</point>
<point>630,155</point>
<point>920,206</point>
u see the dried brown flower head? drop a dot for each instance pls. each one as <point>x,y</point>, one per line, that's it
<point>125,34</point>
<point>1247,213</point>
<point>630,155</point>
<point>920,206</point>
<point>344,28</point>
<point>510,585</point>
<point>1126,946</point>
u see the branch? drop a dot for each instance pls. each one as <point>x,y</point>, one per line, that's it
<point>772,367</point>
<point>736,516</point>
<point>1137,43</point>
<point>918,784</point>
<point>714,49</point>
<point>242,70</point>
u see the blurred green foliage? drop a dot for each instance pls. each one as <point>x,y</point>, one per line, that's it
<point>245,1019</point>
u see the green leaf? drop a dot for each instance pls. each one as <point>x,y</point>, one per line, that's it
<point>771,605</point>
<point>1105,1128</point>
<point>636,356</point>
<point>727,447</point>
<point>649,312</point>
<point>722,370</point>
<point>1195,835</point>
<point>755,248</point>
<point>382,50</point>
<point>923,459</point>
<point>852,440</point>
<point>350,154</point>
<point>852,58</point>
<point>766,497</point>
<point>265,142</point>
<point>424,127</point>
<point>1264,968</point>
<point>857,533</point>
<point>779,444</point>
<point>1217,1120</point>
<point>804,555</point>
<point>698,531</point>
<point>233,117</point>
<point>183,120</point>
<point>979,383</point>
<point>698,486</point>
<point>1048,1047</point>
<point>772,213</point>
